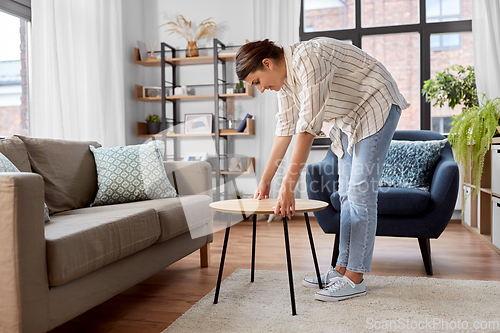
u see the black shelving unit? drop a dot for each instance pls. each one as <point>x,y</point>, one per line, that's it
<point>222,142</point>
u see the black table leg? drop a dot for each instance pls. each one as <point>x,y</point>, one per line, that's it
<point>253,246</point>
<point>222,258</point>
<point>313,250</point>
<point>289,263</point>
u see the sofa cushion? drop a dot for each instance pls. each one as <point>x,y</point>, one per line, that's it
<point>15,150</point>
<point>68,170</point>
<point>83,240</point>
<point>410,164</point>
<point>131,173</point>
<point>176,215</point>
<point>395,201</point>
<point>7,166</point>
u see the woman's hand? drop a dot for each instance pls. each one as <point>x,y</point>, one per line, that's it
<point>263,189</point>
<point>285,205</point>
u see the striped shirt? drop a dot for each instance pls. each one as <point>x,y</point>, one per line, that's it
<point>333,81</point>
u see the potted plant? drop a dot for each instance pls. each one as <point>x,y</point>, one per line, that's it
<point>473,129</point>
<point>239,88</point>
<point>153,123</point>
<point>471,135</point>
<point>191,32</point>
<point>454,89</point>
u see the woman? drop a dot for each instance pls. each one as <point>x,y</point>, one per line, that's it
<point>328,80</point>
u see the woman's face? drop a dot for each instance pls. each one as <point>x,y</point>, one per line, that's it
<point>269,78</point>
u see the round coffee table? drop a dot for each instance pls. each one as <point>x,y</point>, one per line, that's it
<point>266,206</point>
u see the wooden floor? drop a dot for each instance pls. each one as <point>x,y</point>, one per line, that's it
<point>154,304</point>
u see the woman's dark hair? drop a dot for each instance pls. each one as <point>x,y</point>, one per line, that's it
<point>249,57</point>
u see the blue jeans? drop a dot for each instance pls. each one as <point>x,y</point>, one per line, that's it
<point>359,175</point>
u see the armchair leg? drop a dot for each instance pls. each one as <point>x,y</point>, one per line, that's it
<point>425,248</point>
<point>336,245</point>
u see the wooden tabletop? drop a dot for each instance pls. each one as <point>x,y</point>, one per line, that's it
<point>265,206</point>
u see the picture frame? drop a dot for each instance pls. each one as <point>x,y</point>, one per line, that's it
<point>143,50</point>
<point>151,92</point>
<point>237,163</point>
<point>196,157</point>
<point>198,123</point>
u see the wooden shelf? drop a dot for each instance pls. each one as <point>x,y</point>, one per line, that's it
<point>481,207</point>
<point>495,141</point>
<point>203,60</point>
<point>141,131</point>
<point>139,96</point>
<point>250,168</point>
<point>485,190</point>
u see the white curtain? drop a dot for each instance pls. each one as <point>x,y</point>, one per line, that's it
<point>279,21</point>
<point>486,34</point>
<point>77,71</point>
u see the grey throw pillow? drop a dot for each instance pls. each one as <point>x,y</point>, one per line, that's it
<point>7,166</point>
<point>68,171</point>
<point>131,173</point>
<point>410,163</point>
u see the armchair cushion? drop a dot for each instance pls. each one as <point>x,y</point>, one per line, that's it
<point>395,201</point>
<point>410,164</point>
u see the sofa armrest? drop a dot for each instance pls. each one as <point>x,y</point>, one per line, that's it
<point>23,266</point>
<point>190,177</point>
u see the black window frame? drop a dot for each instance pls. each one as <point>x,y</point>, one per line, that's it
<point>423,28</point>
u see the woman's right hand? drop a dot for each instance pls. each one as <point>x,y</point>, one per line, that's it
<point>263,189</point>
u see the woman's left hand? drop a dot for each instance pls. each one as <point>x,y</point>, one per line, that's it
<point>285,205</point>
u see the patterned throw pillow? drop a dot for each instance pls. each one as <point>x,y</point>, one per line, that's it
<point>7,166</point>
<point>410,163</point>
<point>131,173</point>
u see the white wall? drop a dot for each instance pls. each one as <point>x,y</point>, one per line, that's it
<point>133,30</point>
<point>235,21</point>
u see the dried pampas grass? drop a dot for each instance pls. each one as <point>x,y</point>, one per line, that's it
<point>189,30</point>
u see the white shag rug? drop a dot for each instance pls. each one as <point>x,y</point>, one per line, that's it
<point>392,304</point>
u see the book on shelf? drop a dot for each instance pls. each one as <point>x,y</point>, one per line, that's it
<point>243,124</point>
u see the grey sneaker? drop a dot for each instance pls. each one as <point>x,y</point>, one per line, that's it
<point>329,277</point>
<point>341,289</point>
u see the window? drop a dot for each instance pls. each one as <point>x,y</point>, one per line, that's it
<point>402,60</point>
<point>442,58</point>
<point>378,13</point>
<point>448,10</point>
<point>13,76</point>
<point>413,39</point>
<point>321,15</point>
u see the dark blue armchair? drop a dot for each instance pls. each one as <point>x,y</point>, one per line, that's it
<point>402,212</point>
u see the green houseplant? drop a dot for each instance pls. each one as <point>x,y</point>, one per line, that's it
<point>153,123</point>
<point>455,85</point>
<point>471,135</point>
<point>240,87</point>
<point>473,129</point>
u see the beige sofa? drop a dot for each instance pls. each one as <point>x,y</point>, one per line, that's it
<point>51,272</point>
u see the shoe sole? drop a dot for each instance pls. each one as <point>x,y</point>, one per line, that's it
<point>326,298</point>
